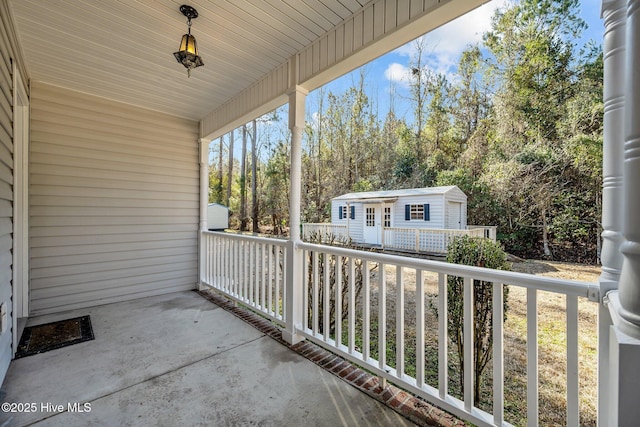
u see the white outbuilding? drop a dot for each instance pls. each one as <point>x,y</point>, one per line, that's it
<point>365,214</point>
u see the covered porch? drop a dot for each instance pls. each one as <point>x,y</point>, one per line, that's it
<point>104,193</point>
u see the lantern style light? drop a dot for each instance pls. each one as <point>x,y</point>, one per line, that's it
<point>188,53</point>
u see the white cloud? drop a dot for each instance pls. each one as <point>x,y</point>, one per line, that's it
<point>397,73</point>
<point>444,45</point>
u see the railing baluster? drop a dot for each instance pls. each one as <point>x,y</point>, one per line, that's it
<point>205,242</point>
<point>573,404</point>
<point>283,289</point>
<point>382,326</point>
<point>217,274</point>
<point>399,322</point>
<point>245,268</point>
<point>314,293</point>
<point>226,284</point>
<point>366,310</point>
<point>352,306</point>
<point>419,329</point>
<point>263,281</point>
<point>443,314</point>
<point>338,303</point>
<point>498,354</point>
<point>468,343</point>
<point>326,290</point>
<point>270,248</point>
<point>253,255</point>
<point>305,289</point>
<point>532,357</point>
<point>276,292</point>
<point>236,275</point>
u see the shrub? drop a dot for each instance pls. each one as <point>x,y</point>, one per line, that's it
<point>481,253</point>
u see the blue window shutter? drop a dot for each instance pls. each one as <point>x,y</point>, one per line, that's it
<point>407,212</point>
<point>426,212</point>
<point>353,212</point>
<point>339,212</point>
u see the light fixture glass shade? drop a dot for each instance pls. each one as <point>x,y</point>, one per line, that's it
<point>188,44</point>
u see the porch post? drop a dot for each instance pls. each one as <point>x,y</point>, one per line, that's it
<point>614,14</point>
<point>630,275</point>
<point>204,203</point>
<point>294,273</point>
<point>624,352</point>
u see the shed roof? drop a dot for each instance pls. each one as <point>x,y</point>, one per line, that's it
<point>366,195</point>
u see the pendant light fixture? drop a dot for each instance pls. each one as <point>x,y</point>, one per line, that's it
<point>188,53</point>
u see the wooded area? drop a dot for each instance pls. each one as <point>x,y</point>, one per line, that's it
<point>518,128</point>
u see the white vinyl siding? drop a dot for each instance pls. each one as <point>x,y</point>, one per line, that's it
<point>6,191</point>
<point>436,211</point>
<point>113,201</point>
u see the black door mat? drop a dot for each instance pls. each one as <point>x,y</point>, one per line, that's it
<point>50,336</point>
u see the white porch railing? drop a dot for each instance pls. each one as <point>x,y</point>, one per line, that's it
<point>340,318</point>
<point>250,270</point>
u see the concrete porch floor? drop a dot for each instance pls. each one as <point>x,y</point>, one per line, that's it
<point>179,359</point>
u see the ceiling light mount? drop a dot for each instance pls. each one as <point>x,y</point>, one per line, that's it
<point>188,53</point>
<point>189,12</point>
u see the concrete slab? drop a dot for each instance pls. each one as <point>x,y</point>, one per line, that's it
<point>179,360</point>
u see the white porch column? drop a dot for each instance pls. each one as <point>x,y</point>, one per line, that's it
<point>293,286</point>
<point>204,203</point>
<point>630,276</point>
<point>615,14</point>
<point>624,352</point>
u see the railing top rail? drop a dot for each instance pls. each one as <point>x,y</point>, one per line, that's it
<point>563,286</point>
<point>323,224</point>
<point>257,239</point>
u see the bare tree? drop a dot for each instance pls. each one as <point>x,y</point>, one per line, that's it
<point>230,176</point>
<point>243,181</point>
<point>254,179</point>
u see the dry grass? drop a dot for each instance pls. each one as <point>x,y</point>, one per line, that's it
<point>551,339</point>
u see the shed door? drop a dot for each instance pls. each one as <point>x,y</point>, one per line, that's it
<point>372,225</point>
<point>454,219</point>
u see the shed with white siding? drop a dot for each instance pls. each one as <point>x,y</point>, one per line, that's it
<point>366,214</point>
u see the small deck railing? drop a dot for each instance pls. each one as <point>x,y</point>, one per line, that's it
<point>324,231</point>
<point>354,301</point>
<point>429,240</point>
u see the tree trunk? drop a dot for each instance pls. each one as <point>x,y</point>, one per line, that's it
<point>230,176</point>
<point>220,173</point>
<point>254,180</point>
<point>545,238</point>
<point>243,181</point>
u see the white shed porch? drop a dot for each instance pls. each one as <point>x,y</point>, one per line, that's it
<point>93,106</point>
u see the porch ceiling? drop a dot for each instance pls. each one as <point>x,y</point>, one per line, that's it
<point>122,50</point>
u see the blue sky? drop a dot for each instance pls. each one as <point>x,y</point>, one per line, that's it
<point>387,73</point>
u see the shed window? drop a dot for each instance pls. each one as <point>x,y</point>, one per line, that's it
<point>416,212</point>
<point>342,212</point>
<point>387,216</point>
